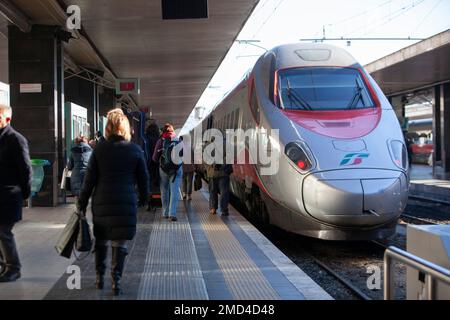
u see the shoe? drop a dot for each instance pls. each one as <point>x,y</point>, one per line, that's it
<point>189,197</point>
<point>166,217</point>
<point>184,196</point>
<point>9,275</point>
<point>173,218</point>
<point>10,260</point>
<point>212,211</point>
<point>225,214</point>
<point>117,266</point>
<point>101,253</point>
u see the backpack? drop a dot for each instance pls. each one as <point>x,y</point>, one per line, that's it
<point>166,163</point>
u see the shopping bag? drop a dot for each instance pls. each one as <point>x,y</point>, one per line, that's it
<point>84,240</point>
<point>67,183</point>
<point>68,237</point>
<point>63,179</point>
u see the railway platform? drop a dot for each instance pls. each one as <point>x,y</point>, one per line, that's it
<point>199,257</point>
<point>428,186</point>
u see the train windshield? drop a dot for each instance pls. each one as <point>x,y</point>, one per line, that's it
<point>321,88</point>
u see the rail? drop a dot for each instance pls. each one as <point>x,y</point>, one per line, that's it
<point>432,271</point>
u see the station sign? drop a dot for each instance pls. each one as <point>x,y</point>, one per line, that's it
<point>30,88</point>
<point>128,86</point>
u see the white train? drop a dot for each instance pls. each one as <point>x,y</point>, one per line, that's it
<point>343,171</point>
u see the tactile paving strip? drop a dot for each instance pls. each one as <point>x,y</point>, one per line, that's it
<point>243,277</point>
<point>172,270</point>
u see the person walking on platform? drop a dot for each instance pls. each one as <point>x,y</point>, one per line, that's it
<point>169,171</point>
<point>152,135</point>
<point>15,186</point>
<point>115,168</point>
<point>188,176</point>
<point>78,162</point>
<point>219,183</point>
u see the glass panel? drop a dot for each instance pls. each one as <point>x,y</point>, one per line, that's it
<point>323,89</point>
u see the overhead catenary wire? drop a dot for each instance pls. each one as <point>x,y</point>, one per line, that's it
<point>361,13</point>
<point>268,18</point>
<point>390,17</point>
<point>438,2</point>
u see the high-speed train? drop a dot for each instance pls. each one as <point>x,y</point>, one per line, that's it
<point>343,165</point>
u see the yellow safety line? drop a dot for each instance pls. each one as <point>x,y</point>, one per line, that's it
<point>243,277</point>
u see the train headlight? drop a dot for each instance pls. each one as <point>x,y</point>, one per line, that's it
<point>399,154</point>
<point>298,154</point>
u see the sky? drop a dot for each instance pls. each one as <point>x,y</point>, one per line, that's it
<point>276,22</point>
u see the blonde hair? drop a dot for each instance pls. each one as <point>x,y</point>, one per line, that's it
<point>6,110</point>
<point>117,125</point>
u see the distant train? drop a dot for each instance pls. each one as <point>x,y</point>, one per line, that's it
<point>343,172</point>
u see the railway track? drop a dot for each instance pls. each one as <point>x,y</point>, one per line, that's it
<point>423,210</point>
<point>427,199</point>
<point>341,268</point>
<point>411,217</point>
<point>351,287</point>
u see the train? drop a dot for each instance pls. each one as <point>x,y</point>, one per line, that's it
<point>343,165</point>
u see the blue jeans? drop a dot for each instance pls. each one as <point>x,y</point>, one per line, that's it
<point>170,194</point>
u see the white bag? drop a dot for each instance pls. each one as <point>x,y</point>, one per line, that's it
<point>66,174</point>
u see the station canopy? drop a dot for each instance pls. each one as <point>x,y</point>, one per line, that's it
<point>174,58</point>
<point>417,66</point>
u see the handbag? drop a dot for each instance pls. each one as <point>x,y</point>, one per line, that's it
<point>84,240</point>
<point>197,181</point>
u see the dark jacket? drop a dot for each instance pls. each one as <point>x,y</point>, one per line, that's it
<point>215,171</point>
<point>115,167</point>
<point>15,175</point>
<point>78,162</point>
<point>153,167</point>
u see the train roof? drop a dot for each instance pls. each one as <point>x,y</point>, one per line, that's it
<point>311,54</point>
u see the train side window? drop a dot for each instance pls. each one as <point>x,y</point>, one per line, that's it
<point>229,124</point>
<point>254,107</point>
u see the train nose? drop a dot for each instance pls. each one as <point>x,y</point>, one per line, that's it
<point>365,198</point>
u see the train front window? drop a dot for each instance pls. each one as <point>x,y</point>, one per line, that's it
<point>321,88</point>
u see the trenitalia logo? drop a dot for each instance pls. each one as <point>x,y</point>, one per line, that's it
<point>352,159</point>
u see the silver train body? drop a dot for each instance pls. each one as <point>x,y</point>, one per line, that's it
<point>343,172</point>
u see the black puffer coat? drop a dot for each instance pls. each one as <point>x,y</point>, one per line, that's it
<point>115,168</point>
<point>78,162</point>
<point>15,175</point>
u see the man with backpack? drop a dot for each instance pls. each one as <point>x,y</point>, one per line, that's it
<point>170,170</point>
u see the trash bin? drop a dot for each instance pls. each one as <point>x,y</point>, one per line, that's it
<point>38,174</point>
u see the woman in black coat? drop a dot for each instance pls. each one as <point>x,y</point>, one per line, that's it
<point>78,162</point>
<point>115,168</point>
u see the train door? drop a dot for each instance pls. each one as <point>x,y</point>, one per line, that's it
<point>76,124</point>
<point>4,93</point>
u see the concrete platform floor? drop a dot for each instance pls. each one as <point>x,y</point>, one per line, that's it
<point>198,257</point>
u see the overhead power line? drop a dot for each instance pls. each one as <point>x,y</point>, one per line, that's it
<point>361,13</point>
<point>391,16</point>
<point>362,39</point>
<point>427,15</point>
